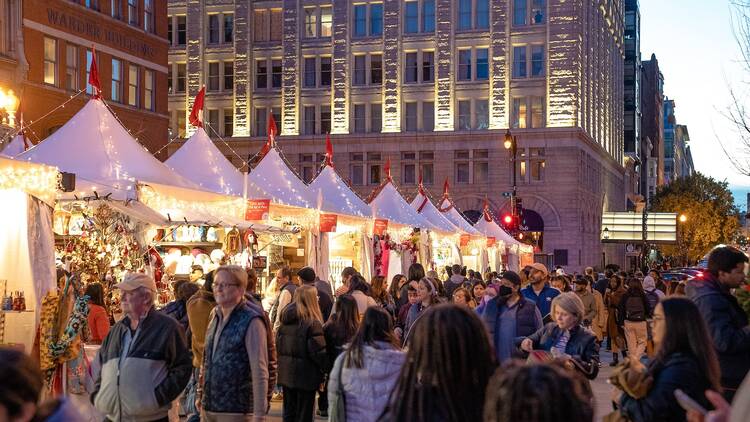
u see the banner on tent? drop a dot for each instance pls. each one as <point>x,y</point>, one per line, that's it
<point>328,223</point>
<point>465,240</point>
<point>380,227</point>
<point>490,242</point>
<point>257,209</point>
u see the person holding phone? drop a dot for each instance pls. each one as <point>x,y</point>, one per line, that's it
<point>685,359</point>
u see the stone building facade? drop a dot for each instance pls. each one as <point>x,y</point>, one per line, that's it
<point>432,86</point>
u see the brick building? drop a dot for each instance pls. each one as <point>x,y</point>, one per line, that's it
<point>130,41</point>
<point>431,84</point>
<point>652,125</point>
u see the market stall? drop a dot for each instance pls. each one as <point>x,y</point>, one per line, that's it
<point>507,246</point>
<point>442,246</point>
<point>469,243</point>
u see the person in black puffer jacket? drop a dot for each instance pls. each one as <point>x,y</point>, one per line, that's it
<point>303,360</point>
<point>684,359</point>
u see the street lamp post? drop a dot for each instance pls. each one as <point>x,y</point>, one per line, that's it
<point>511,144</point>
<point>680,241</point>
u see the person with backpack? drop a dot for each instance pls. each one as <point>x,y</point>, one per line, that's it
<point>653,295</point>
<point>455,281</point>
<point>634,311</point>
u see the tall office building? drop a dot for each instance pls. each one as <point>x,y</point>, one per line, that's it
<point>652,125</point>
<point>632,72</point>
<point>431,85</point>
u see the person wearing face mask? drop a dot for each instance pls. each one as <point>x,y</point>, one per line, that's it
<point>589,302</point>
<point>565,338</point>
<point>508,316</point>
<point>539,291</point>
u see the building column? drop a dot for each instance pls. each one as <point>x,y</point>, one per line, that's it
<point>564,62</point>
<point>242,36</point>
<point>340,88</point>
<point>290,65</point>
<point>499,67</point>
<point>194,56</point>
<point>444,65</point>
<point>391,68</point>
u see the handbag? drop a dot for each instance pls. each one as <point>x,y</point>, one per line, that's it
<point>337,408</point>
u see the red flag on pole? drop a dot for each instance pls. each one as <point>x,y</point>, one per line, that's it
<point>94,75</point>
<point>196,114</point>
<point>388,169</point>
<point>271,136</point>
<point>486,210</point>
<point>421,185</point>
<point>446,186</point>
<point>329,151</point>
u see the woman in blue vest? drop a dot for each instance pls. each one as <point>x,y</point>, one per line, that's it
<point>509,316</point>
<point>565,337</point>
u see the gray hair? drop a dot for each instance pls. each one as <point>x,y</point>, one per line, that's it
<point>238,273</point>
<point>570,303</point>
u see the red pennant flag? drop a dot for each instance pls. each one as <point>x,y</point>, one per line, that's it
<point>486,210</point>
<point>272,130</point>
<point>446,186</point>
<point>94,75</point>
<point>388,169</point>
<point>421,186</point>
<point>196,114</point>
<point>329,151</point>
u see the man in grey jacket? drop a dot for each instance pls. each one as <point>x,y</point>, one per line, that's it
<point>589,302</point>
<point>145,360</point>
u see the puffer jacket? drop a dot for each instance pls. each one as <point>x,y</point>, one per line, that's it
<point>728,325</point>
<point>367,389</point>
<point>582,346</point>
<point>301,348</point>
<point>677,371</point>
<point>154,372</point>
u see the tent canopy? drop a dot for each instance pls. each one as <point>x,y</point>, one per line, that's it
<point>95,146</point>
<point>273,179</point>
<point>431,214</point>
<point>337,196</point>
<point>201,162</point>
<point>14,147</point>
<point>390,205</point>
<point>449,211</point>
<point>37,180</point>
<point>491,229</point>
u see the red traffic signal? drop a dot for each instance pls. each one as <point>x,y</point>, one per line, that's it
<point>508,219</point>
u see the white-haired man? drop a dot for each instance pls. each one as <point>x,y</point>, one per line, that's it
<point>145,360</point>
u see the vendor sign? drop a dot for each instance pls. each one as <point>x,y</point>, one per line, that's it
<point>465,239</point>
<point>257,209</point>
<point>490,242</point>
<point>328,223</point>
<point>380,227</point>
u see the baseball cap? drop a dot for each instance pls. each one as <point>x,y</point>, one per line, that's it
<point>512,277</point>
<point>538,266</point>
<point>132,281</point>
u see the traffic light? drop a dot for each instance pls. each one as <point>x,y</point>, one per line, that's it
<point>509,222</point>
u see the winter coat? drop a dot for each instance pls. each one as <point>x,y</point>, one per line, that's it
<point>527,316</point>
<point>367,389</point>
<point>582,346</point>
<point>589,306</point>
<point>678,371</point>
<point>412,316</point>
<point>98,323</point>
<point>599,325</point>
<point>301,349</point>
<point>728,325</point>
<point>633,307</point>
<point>614,330</point>
<point>177,310</point>
<point>454,283</point>
<point>199,308</point>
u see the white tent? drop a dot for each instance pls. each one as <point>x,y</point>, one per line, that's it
<point>490,229</point>
<point>337,196</point>
<point>426,209</point>
<point>200,161</point>
<point>14,147</point>
<point>273,179</point>
<point>449,211</point>
<point>102,154</point>
<point>390,205</point>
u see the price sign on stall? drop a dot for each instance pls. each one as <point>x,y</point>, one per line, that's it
<point>380,227</point>
<point>257,209</point>
<point>490,242</point>
<point>465,240</point>
<point>328,223</point>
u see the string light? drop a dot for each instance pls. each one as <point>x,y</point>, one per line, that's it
<point>38,180</point>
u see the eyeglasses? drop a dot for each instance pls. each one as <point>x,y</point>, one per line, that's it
<point>222,286</point>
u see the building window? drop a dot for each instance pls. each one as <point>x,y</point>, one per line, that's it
<point>409,168</point>
<point>261,74</point>
<point>213,76</point>
<point>374,174</point>
<point>133,12</point>
<point>50,61</point>
<point>520,116</point>
<point>536,164</point>
<point>410,117</point>
<point>476,17</point>
<point>213,28</point>
<point>326,22</point>
<point>537,60</point>
<point>519,12</point>
<point>376,69</point>
<point>481,114</point>
<point>92,4</point>
<point>360,20</point>
<point>262,31</point>
<point>360,70</point>
<point>525,12</point>
<point>181,30</point>
<point>261,120</point>
<point>480,161</point>
<point>148,15</point>
<point>464,115</point>
<point>228,76</point>
<point>212,119</point>
<point>325,119</point>
<point>356,169</point>
<point>325,71</point>
<point>116,11</point>
<point>228,28</point>
<point>464,65</point>
<point>311,22</point>
<point>309,122</point>
<point>376,19</point>
<point>310,72</point>
<point>276,73</point>
<point>538,10</point>
<point>427,167</point>
<point>375,26</point>
<point>464,14</point>
<point>461,176</point>
<point>428,66</point>
<point>181,123</point>
<point>519,61</point>
<point>228,122</point>
<point>376,117</point>
<point>411,17</point>
<point>116,80</point>
<point>428,116</point>
<point>181,81</point>
<point>133,85</point>
<point>537,112</point>
<point>71,67</point>
<point>410,67</point>
<point>428,15</point>
<point>482,14</point>
<point>277,27</point>
<point>306,167</point>
<point>359,119</point>
<point>483,65</point>
<point>148,95</point>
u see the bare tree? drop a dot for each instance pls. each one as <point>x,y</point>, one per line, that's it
<point>737,112</point>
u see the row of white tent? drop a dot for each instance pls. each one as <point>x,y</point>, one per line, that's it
<point>108,161</point>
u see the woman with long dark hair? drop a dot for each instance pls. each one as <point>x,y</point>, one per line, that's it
<point>367,371</point>
<point>381,296</point>
<point>98,320</point>
<point>448,365</point>
<point>361,291</point>
<point>397,282</point>
<point>615,337</point>
<point>338,331</point>
<point>685,359</point>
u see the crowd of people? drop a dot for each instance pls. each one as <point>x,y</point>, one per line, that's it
<point>498,347</point>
